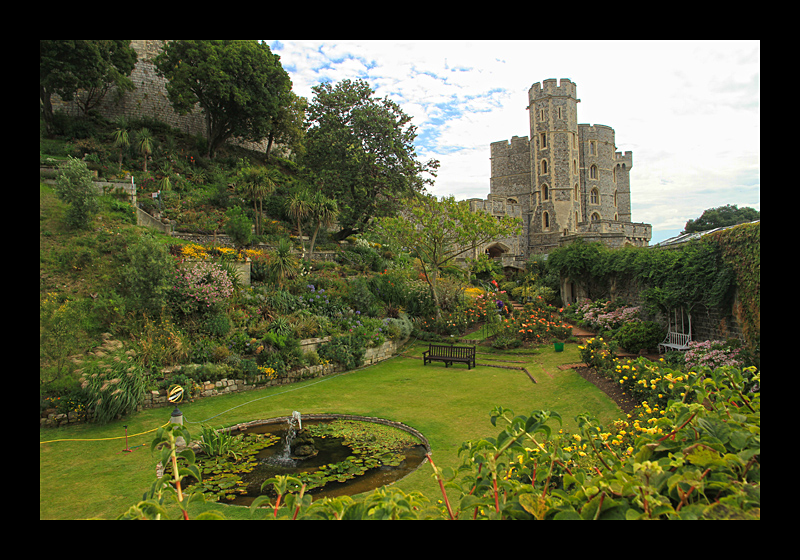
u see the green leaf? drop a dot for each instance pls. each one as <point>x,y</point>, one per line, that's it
<point>715,428</point>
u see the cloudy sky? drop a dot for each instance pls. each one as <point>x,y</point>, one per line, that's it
<point>689,110</point>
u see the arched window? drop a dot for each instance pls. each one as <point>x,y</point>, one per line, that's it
<point>576,192</point>
<point>545,192</point>
<point>546,221</point>
<point>593,172</point>
<point>595,197</point>
<point>595,217</point>
<point>544,167</point>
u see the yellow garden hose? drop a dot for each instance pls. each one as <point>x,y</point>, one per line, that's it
<point>104,439</point>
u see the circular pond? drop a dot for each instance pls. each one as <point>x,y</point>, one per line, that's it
<point>333,454</point>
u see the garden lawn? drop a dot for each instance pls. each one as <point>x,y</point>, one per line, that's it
<point>84,479</point>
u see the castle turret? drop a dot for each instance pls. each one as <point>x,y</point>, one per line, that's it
<point>555,176</point>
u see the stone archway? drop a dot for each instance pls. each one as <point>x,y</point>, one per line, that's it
<point>497,250</point>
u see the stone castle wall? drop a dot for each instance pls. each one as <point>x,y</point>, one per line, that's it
<point>148,99</point>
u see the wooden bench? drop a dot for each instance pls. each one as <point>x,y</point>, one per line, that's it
<point>675,341</point>
<point>449,354</point>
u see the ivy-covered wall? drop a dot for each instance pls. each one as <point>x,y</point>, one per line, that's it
<point>716,278</point>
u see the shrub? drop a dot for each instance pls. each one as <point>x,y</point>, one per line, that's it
<point>712,354</point>
<point>113,386</point>
<point>238,226</point>
<point>598,353</point>
<point>147,276</point>
<point>639,335</point>
<point>200,287</point>
<point>349,351</point>
<point>506,341</point>
<point>74,186</point>
<point>608,316</point>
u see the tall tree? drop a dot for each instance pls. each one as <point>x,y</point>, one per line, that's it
<point>361,148</point>
<point>91,67</point>
<point>439,230</point>
<point>721,216</point>
<point>240,85</point>
<point>254,183</point>
<point>324,212</point>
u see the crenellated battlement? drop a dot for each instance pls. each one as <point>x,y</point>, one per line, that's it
<point>552,89</point>
<point>504,148</point>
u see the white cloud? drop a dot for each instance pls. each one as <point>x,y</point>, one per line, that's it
<point>689,110</point>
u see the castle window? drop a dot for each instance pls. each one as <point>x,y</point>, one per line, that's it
<point>546,220</point>
<point>544,167</point>
<point>544,140</point>
<point>559,113</point>
<point>576,192</point>
<point>541,115</point>
<point>593,172</point>
<point>545,192</point>
<point>592,148</point>
<point>575,166</point>
<point>595,217</point>
<point>615,198</point>
<point>512,201</point>
<point>595,197</point>
<point>615,174</point>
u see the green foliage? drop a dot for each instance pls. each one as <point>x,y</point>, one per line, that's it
<point>238,226</point>
<point>148,275</point>
<point>219,443</point>
<point>437,231</point>
<point>705,272</point>
<point>722,216</point>
<point>59,323</point>
<point>113,386</point>
<point>640,335</point>
<point>240,85</point>
<point>168,487</point>
<point>347,350</point>
<point>741,251</point>
<point>598,353</point>
<point>74,186</point>
<point>361,151</point>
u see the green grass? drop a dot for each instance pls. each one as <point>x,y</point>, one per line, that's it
<point>82,479</point>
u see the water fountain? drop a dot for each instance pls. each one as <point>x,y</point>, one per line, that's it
<point>285,458</point>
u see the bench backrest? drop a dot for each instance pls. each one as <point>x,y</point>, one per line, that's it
<point>451,351</point>
<point>678,338</point>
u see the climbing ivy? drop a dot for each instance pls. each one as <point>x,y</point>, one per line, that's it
<point>715,271</point>
<point>740,248</point>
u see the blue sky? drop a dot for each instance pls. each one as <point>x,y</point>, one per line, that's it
<point>689,110</point>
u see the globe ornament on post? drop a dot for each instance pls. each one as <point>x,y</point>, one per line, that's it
<point>175,394</point>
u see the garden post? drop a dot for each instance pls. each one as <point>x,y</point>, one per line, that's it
<point>177,418</point>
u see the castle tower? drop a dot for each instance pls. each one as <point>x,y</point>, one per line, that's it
<point>566,181</point>
<point>555,195</point>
